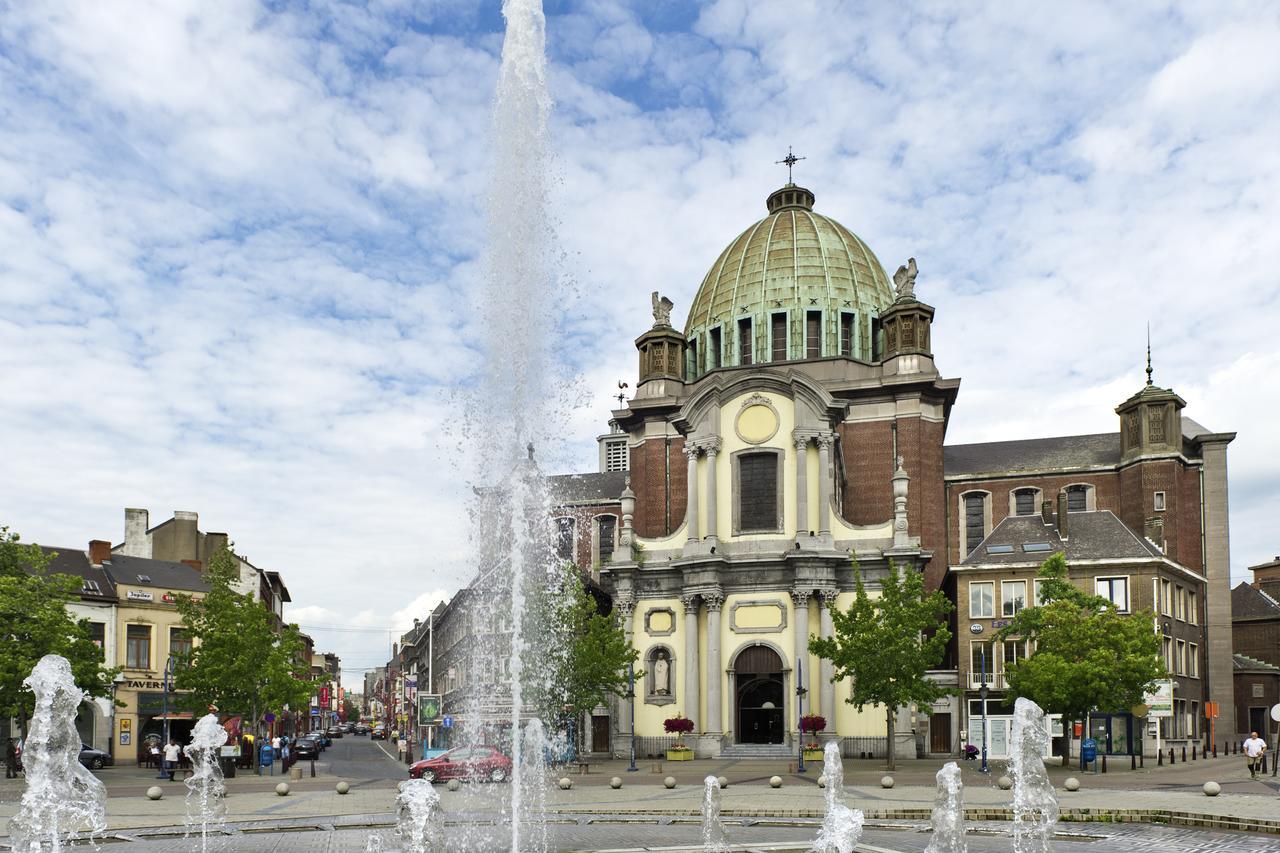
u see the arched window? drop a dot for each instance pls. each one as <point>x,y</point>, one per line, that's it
<point>975,519</point>
<point>1024,501</point>
<point>564,538</point>
<point>606,528</point>
<point>1078,497</point>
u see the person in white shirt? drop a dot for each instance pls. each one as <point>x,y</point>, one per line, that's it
<point>1254,748</point>
<point>172,754</point>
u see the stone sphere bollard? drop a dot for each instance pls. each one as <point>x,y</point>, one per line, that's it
<point>283,789</point>
<point>1072,784</point>
<point>775,781</point>
<point>669,782</point>
<point>565,783</point>
<point>1212,789</point>
<point>342,787</point>
<point>1005,783</point>
<point>822,781</point>
<point>155,792</point>
<point>453,785</point>
<point>886,781</point>
<point>400,787</point>
<point>615,783</point>
<point>722,781</point>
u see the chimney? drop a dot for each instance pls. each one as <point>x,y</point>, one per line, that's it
<point>195,564</point>
<point>136,542</point>
<point>1062,513</point>
<point>99,551</point>
<point>1046,512</point>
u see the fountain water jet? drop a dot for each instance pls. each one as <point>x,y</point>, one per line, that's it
<point>948,813</point>
<point>418,819</point>
<point>1035,805</point>
<point>205,789</point>
<point>62,798</point>
<point>714,839</point>
<point>842,826</point>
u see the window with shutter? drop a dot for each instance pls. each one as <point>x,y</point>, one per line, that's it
<point>778,335</point>
<point>846,334</point>
<point>744,341</point>
<point>604,536</point>
<point>714,356</point>
<point>974,520</point>
<point>813,335</point>
<point>758,491</point>
<point>1077,499</point>
<point>1025,501</point>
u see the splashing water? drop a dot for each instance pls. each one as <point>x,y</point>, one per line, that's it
<point>205,808</point>
<point>1035,806</point>
<point>948,813</point>
<point>714,839</point>
<point>418,820</point>
<point>62,798</point>
<point>534,781</point>
<point>842,826</point>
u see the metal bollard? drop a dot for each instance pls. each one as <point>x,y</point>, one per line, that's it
<point>1193,752</point>
<point>1160,759</point>
<point>1133,761</point>
<point>1184,754</point>
<point>313,768</point>
<point>1104,762</point>
<point>1215,749</point>
<point>1171,757</point>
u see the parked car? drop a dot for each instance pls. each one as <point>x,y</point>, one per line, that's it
<point>464,762</point>
<point>321,738</point>
<point>94,759</point>
<point>362,728</point>
<point>379,733</point>
<point>306,749</point>
<point>334,731</point>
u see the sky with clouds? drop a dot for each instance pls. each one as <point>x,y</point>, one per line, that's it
<point>241,242</point>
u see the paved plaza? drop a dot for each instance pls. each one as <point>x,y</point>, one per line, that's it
<point>646,815</point>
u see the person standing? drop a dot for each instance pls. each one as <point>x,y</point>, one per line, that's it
<point>11,759</point>
<point>172,755</point>
<point>1254,748</point>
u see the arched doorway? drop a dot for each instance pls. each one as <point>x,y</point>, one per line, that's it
<point>758,696</point>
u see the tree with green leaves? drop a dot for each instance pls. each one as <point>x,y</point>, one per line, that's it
<point>239,661</point>
<point>886,646</point>
<point>1087,655</point>
<point>34,622</point>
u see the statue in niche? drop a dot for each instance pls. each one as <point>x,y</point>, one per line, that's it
<point>661,309</point>
<point>904,280</point>
<point>661,673</point>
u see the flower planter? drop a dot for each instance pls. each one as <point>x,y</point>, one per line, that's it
<point>679,755</point>
<point>813,755</point>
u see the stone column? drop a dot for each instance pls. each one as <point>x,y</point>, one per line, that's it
<point>691,453</point>
<point>824,484</point>
<point>715,670</point>
<point>626,610</point>
<point>712,450</point>
<point>691,676</point>
<point>827,670</point>
<point>801,667</point>
<point>802,486</point>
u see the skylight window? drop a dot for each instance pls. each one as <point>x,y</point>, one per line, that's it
<point>999,549</point>
<point>92,587</point>
<point>1031,547</point>
<point>144,578</point>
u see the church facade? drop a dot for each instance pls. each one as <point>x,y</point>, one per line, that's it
<point>797,425</point>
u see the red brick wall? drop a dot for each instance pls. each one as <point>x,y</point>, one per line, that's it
<point>867,450</point>
<point>1190,551</point>
<point>649,480</point>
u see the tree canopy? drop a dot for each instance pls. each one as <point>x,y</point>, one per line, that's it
<point>34,622</point>
<point>1086,654</point>
<point>885,646</point>
<point>239,662</point>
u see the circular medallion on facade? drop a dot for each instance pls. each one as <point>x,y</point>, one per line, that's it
<point>757,422</point>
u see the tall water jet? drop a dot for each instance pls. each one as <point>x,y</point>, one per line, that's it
<point>418,820</point>
<point>714,839</point>
<point>205,789</point>
<point>842,826</point>
<point>1035,806</point>
<point>948,813</point>
<point>533,768</point>
<point>63,799</point>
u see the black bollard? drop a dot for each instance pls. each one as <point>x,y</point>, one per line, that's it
<point>1160,759</point>
<point>1142,760</point>
<point>1133,761</point>
<point>1184,754</point>
<point>1215,749</point>
<point>1172,759</point>
<point>313,768</point>
<point>1193,752</point>
<point>1104,762</point>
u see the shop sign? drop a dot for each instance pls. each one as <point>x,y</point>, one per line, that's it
<point>428,709</point>
<point>143,684</point>
<point>169,598</point>
<point>139,595</point>
<point>125,738</point>
<point>1160,699</point>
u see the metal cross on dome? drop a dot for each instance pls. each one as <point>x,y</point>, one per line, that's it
<point>790,160</point>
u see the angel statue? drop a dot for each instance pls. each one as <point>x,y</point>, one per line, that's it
<point>905,280</point>
<point>661,309</point>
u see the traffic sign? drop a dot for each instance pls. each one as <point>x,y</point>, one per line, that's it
<point>269,717</point>
<point>447,722</point>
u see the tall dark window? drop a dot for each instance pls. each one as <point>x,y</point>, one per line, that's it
<point>974,521</point>
<point>846,334</point>
<point>605,526</point>
<point>778,332</point>
<point>98,635</point>
<point>693,358</point>
<point>758,491</point>
<point>1077,499</point>
<point>714,356</point>
<point>875,339</point>
<point>138,647</point>
<point>813,334</point>
<point>1025,501</point>
<point>744,341</point>
<point>564,538</point>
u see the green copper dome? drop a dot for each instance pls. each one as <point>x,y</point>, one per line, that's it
<point>795,272</point>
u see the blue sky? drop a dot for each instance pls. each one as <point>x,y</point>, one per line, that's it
<point>240,242</point>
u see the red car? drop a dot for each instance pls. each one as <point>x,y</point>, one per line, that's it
<point>464,762</point>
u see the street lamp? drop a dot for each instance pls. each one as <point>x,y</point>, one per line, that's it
<point>800,691</point>
<point>982,695</point>
<point>168,675</point>
<point>631,698</point>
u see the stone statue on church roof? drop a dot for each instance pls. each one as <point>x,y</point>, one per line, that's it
<point>904,280</point>
<point>661,309</point>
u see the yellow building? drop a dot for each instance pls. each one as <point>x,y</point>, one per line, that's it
<point>149,633</point>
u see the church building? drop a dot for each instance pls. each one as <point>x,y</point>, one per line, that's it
<point>797,423</point>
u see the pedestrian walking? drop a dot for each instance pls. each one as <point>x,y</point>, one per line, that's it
<point>11,759</point>
<point>172,755</point>
<point>403,748</point>
<point>1254,748</point>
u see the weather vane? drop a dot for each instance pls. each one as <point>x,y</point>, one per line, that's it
<point>790,160</point>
